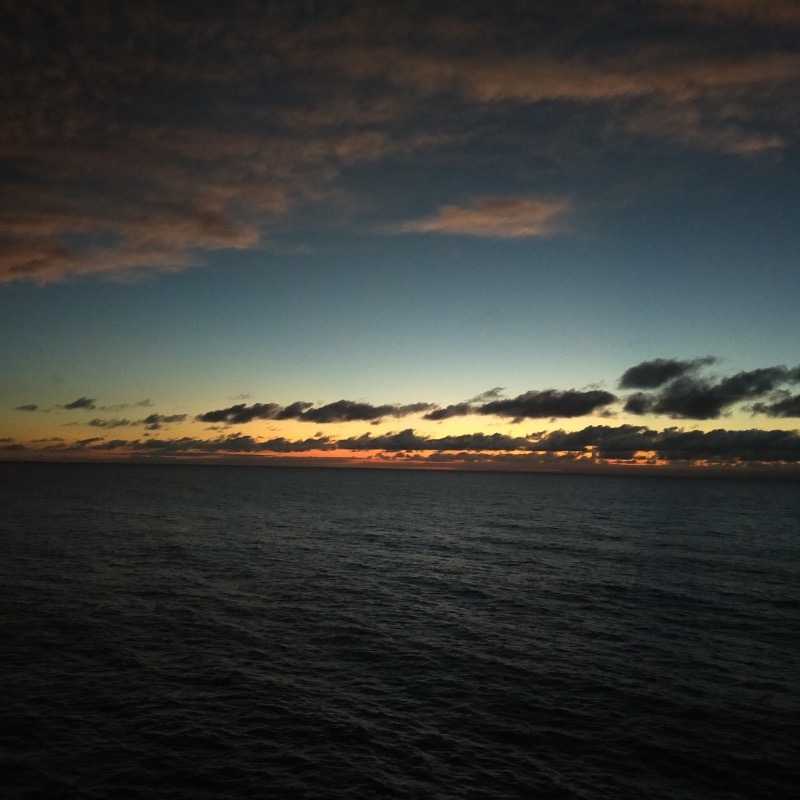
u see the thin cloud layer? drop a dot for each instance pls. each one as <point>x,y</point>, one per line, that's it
<point>198,129</point>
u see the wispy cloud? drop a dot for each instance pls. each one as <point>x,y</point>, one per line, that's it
<point>82,402</point>
<point>496,218</point>
<point>149,156</point>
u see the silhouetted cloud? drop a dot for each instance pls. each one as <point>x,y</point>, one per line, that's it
<point>121,406</point>
<point>240,413</point>
<point>496,218</point>
<point>489,394</point>
<point>620,444</point>
<point>675,443</point>
<point>154,422</point>
<point>109,423</point>
<point>349,411</point>
<point>549,403</point>
<point>655,373</point>
<point>638,403</point>
<point>233,443</point>
<point>28,407</point>
<point>691,398</point>
<point>81,402</point>
<point>455,410</point>
<point>786,406</point>
<point>338,411</point>
<point>409,440</point>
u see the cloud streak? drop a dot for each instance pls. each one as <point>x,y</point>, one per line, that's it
<point>496,218</point>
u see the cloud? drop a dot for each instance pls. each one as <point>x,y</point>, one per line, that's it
<point>146,158</point>
<point>338,411</point>
<point>496,218</point>
<point>675,443</point>
<point>409,440</point>
<point>81,402</point>
<point>549,403</point>
<point>28,407</point>
<point>155,422</point>
<point>489,394</point>
<point>621,444</point>
<point>655,373</point>
<point>233,443</point>
<point>691,398</point>
<point>109,423</point>
<point>240,413</point>
<point>455,410</point>
<point>121,406</point>
<point>786,406</point>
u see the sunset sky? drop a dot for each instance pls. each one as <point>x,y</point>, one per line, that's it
<point>525,235</point>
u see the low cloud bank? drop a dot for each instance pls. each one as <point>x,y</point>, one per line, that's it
<point>598,442</point>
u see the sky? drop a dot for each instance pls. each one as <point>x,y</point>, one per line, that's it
<point>510,235</point>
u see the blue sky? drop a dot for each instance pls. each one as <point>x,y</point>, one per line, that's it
<point>400,205</point>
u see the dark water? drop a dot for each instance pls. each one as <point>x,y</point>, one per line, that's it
<point>223,632</point>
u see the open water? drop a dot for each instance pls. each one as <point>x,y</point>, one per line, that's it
<point>232,632</point>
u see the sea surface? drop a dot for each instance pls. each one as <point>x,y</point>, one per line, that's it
<point>238,632</point>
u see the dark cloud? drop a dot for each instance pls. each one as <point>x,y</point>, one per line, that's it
<point>240,413</point>
<point>28,407</point>
<point>593,443</point>
<point>121,406</point>
<point>549,403</point>
<point>409,440</point>
<point>638,403</point>
<point>81,402</point>
<point>655,373</point>
<point>490,394</point>
<point>233,443</point>
<point>675,443</point>
<point>786,406</point>
<point>293,410</point>
<point>339,411</point>
<point>155,422</point>
<point>7,439</point>
<point>456,410</point>
<point>533,404</point>
<point>691,398</point>
<point>109,423</point>
<point>350,411</point>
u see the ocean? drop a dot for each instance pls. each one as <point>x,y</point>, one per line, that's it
<point>174,631</point>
